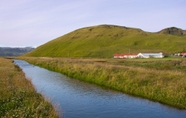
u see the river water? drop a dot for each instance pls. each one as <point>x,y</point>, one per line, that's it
<point>82,100</point>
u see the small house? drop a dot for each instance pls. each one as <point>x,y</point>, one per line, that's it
<point>121,56</point>
<point>131,56</point>
<point>118,56</point>
<point>182,53</point>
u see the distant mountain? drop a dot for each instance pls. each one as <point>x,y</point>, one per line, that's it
<point>173,31</point>
<point>103,41</point>
<point>8,51</point>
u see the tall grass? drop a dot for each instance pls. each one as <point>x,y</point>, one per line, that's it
<point>163,85</point>
<point>18,96</point>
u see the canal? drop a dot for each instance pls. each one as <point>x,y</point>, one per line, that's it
<point>78,99</point>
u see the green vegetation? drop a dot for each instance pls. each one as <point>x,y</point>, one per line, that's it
<point>18,96</point>
<point>173,31</point>
<point>104,40</point>
<point>161,80</point>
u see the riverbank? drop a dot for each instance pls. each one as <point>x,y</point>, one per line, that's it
<point>18,96</point>
<point>163,81</point>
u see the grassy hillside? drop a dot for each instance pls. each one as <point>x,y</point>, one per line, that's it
<point>173,31</point>
<point>104,40</point>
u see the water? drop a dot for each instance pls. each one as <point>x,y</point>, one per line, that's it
<point>82,100</point>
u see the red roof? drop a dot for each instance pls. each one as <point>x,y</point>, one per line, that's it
<point>183,53</point>
<point>125,54</point>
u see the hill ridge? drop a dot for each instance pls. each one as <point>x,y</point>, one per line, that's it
<point>102,41</point>
<point>172,31</point>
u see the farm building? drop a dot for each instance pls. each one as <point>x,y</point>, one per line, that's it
<point>150,55</point>
<point>182,53</point>
<point>121,56</point>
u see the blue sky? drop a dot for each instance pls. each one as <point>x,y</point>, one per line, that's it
<point>35,22</point>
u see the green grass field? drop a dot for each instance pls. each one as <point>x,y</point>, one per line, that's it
<point>161,80</point>
<point>18,96</point>
<point>105,40</point>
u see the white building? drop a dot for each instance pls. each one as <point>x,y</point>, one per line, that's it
<point>150,55</point>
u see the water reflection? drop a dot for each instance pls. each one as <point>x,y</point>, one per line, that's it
<point>82,100</point>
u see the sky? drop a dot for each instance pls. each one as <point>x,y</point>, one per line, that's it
<point>35,22</point>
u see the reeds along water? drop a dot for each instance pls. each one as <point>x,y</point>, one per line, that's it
<point>18,96</point>
<point>167,86</point>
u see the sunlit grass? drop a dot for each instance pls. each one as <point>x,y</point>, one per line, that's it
<point>165,85</point>
<point>105,40</point>
<point>18,96</point>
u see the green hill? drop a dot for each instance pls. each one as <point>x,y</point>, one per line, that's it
<point>173,31</point>
<point>104,40</point>
<point>11,51</point>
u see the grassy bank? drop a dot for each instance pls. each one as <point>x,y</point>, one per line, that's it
<point>18,96</point>
<point>163,80</point>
